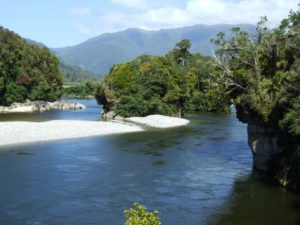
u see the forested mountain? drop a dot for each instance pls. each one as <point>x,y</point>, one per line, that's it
<point>100,53</point>
<point>26,71</point>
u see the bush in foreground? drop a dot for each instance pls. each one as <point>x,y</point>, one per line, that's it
<point>138,215</point>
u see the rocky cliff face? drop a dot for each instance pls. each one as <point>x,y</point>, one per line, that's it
<point>274,152</point>
<point>263,140</point>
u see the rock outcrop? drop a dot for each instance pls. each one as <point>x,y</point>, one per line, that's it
<point>262,140</point>
<point>63,105</point>
<point>40,106</point>
<point>274,151</point>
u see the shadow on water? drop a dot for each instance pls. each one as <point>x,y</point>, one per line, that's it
<point>257,200</point>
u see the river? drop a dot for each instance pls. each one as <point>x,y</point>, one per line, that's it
<point>200,174</point>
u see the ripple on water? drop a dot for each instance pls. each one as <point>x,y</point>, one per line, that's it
<point>195,175</point>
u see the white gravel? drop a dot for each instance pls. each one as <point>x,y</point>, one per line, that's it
<point>158,121</point>
<point>25,132</point>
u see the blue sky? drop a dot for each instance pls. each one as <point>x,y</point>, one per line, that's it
<point>59,23</point>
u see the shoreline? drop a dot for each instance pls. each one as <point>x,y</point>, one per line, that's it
<point>40,106</point>
<point>13,133</point>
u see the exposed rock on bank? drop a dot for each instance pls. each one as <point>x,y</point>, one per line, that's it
<point>274,151</point>
<point>40,106</point>
<point>262,140</point>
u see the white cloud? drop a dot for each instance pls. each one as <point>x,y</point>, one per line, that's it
<point>131,3</point>
<point>83,11</point>
<point>243,11</point>
<point>168,15</point>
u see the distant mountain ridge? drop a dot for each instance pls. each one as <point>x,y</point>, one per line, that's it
<point>100,53</point>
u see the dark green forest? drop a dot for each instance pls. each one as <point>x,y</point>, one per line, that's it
<point>167,85</point>
<point>84,90</point>
<point>73,75</point>
<point>27,71</point>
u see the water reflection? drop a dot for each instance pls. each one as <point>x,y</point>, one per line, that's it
<point>198,174</point>
<point>257,200</point>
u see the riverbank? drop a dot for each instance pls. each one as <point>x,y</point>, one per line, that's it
<point>26,132</point>
<point>158,121</point>
<point>40,106</point>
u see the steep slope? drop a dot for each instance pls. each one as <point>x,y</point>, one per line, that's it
<point>70,74</point>
<point>100,53</point>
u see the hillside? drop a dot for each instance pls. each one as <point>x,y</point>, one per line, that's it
<point>26,71</point>
<point>100,53</point>
<point>74,74</point>
<point>70,74</point>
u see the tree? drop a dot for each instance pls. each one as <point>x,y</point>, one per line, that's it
<point>261,75</point>
<point>26,71</point>
<point>255,69</point>
<point>14,93</point>
<point>159,85</point>
<point>181,52</point>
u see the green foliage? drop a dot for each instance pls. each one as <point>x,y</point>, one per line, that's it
<point>181,52</point>
<point>74,74</point>
<point>132,106</point>
<point>158,85</point>
<point>14,93</point>
<point>138,215</point>
<point>26,71</point>
<point>85,90</point>
<point>291,119</point>
<point>290,98</point>
<point>262,76</point>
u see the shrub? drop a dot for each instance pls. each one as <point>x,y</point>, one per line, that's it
<point>138,215</point>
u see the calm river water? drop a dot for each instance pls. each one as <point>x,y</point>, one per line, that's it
<point>200,174</point>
